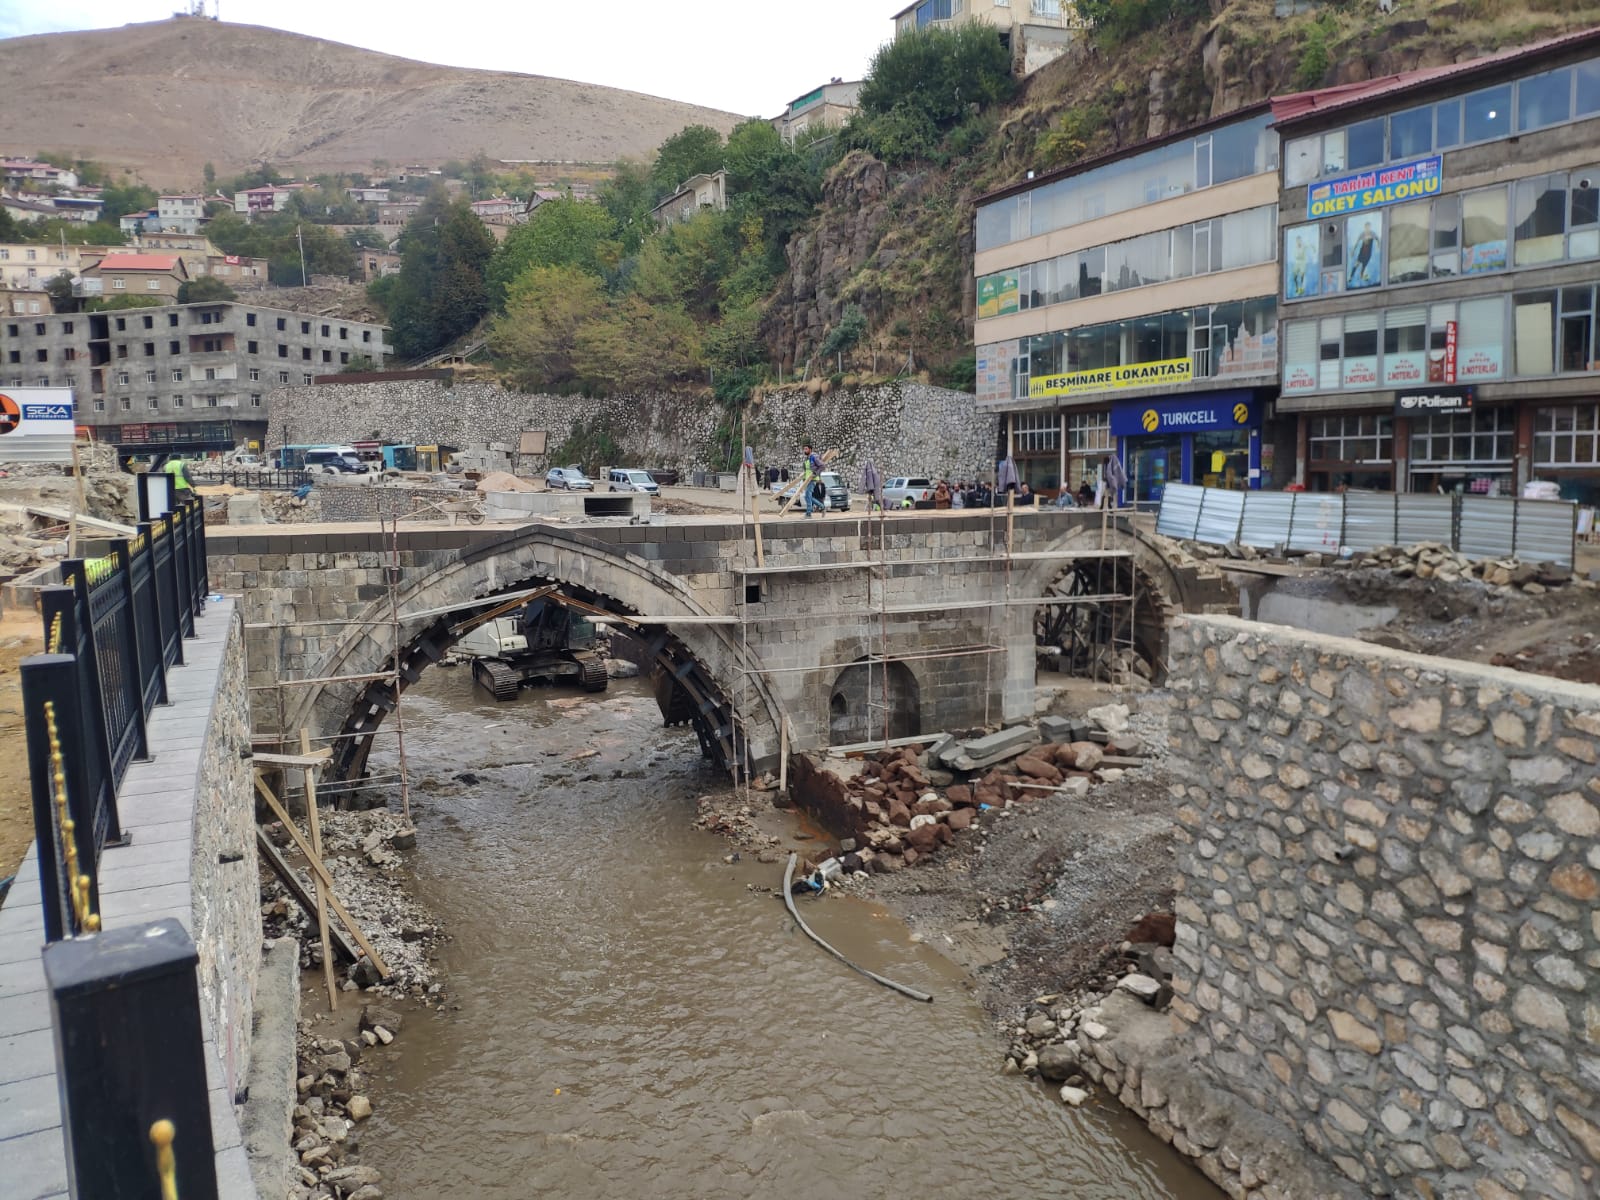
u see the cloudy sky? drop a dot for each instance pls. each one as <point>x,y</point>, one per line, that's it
<point>744,56</point>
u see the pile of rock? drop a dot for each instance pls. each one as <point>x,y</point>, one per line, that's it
<point>330,1106</point>
<point>1434,560</point>
<point>1056,1033</point>
<point>906,803</point>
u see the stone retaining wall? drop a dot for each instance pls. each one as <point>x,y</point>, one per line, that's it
<point>1387,929</point>
<point>906,428</point>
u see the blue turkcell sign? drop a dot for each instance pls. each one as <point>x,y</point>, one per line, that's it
<point>1187,414</point>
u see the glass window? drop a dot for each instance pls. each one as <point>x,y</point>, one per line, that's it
<point>1588,87</point>
<point>1364,144</point>
<point>1541,216</point>
<point>1447,124</point>
<point>1408,242</point>
<point>1333,152</point>
<point>1405,346</point>
<point>1544,100</point>
<point>1483,230</point>
<point>1575,332</point>
<point>1088,431</point>
<point>1302,161</point>
<point>1583,240</point>
<point>1330,345</point>
<point>1566,436</point>
<point>1534,322</point>
<point>1480,340</point>
<point>1446,237</point>
<point>1487,114</point>
<point>1411,133</point>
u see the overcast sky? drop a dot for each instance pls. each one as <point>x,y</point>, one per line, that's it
<point>744,56</point>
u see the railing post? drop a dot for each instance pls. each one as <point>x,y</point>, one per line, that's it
<point>151,612</point>
<point>180,562</point>
<point>175,578</point>
<point>202,564</point>
<point>50,678</point>
<point>123,555</point>
<point>130,1054</point>
<point>91,747</point>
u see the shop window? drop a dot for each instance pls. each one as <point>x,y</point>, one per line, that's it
<point>1575,333</point>
<point>1360,351</point>
<point>1035,433</point>
<point>1088,432</point>
<point>1480,343</point>
<point>1534,323</point>
<point>1486,115</point>
<point>1446,237</point>
<point>1483,225</point>
<point>1567,436</point>
<point>1544,100</point>
<point>1353,438</point>
<point>1484,436</point>
<point>1541,217</point>
<point>1411,133</point>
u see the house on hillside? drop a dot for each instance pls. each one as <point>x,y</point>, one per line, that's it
<point>18,302</point>
<point>183,213</point>
<point>397,212</point>
<point>498,210</point>
<point>1035,31</point>
<point>135,223</point>
<point>832,104</point>
<point>269,198</point>
<point>17,172</point>
<point>28,210</point>
<point>139,275</point>
<point>27,268</point>
<point>540,196</point>
<point>375,264</point>
<point>697,192</point>
<point>368,195</point>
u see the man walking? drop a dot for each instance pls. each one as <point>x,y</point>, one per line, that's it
<point>810,476</point>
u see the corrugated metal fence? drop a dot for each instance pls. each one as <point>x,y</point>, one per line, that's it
<point>1477,526</point>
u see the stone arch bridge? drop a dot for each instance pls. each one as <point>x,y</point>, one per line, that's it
<point>799,642</point>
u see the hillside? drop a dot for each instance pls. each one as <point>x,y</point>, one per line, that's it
<point>166,97</point>
<point>896,239</point>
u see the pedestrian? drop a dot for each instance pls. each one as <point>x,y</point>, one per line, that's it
<point>1085,494</point>
<point>810,475</point>
<point>1025,494</point>
<point>958,498</point>
<point>179,470</point>
<point>941,494</point>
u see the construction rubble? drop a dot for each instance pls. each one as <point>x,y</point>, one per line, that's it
<point>903,804</point>
<point>1433,560</point>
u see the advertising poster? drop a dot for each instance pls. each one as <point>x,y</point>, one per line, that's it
<point>998,295</point>
<point>1364,251</point>
<point>1302,261</point>
<point>1134,375</point>
<point>1484,256</point>
<point>36,424</point>
<point>1373,189</point>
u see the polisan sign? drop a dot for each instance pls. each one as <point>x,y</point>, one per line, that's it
<point>36,425</point>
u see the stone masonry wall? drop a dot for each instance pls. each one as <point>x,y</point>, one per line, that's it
<point>909,428</point>
<point>223,871</point>
<point>1388,933</point>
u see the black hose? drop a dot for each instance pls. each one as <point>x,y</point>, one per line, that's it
<point>788,899</point>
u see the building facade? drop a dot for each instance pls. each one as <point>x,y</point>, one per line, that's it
<point>121,274</point>
<point>1128,306</point>
<point>1440,268</point>
<point>1035,31</point>
<point>697,192</point>
<point>181,214</point>
<point>830,106</point>
<point>185,377</point>
<point>26,267</point>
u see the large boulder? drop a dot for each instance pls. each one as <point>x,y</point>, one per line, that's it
<point>1059,1061</point>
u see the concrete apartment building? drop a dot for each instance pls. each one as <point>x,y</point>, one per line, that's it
<point>830,105</point>
<point>1128,305</point>
<point>25,267</point>
<point>181,214</point>
<point>1035,31</point>
<point>1440,269</point>
<point>189,377</point>
<point>697,192</point>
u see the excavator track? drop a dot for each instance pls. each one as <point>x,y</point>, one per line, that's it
<point>499,680</point>
<point>592,668</point>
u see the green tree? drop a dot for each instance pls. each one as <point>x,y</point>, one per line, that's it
<point>59,288</point>
<point>750,146</point>
<point>628,196</point>
<point>10,228</point>
<point>686,263</point>
<point>537,335</point>
<point>441,291</point>
<point>561,233</point>
<point>208,176</point>
<point>937,75</point>
<point>108,304</point>
<point>693,150</point>
<point>639,346</point>
<point>205,290</point>
<point>118,200</point>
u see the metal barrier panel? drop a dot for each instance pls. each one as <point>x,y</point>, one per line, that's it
<point>1317,523</point>
<point>182,567</point>
<point>116,655</point>
<point>146,620</point>
<point>167,601</point>
<point>1180,510</point>
<point>1547,531</point>
<point>1487,527</point>
<point>1221,510</point>
<point>1423,518</point>
<point>48,678</point>
<point>84,724</point>
<point>1369,520</point>
<point>1266,519</point>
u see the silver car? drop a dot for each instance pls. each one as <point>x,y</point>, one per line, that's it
<point>571,479</point>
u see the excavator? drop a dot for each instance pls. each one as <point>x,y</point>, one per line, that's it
<point>546,639</point>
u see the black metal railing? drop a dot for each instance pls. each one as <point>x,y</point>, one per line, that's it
<point>111,631</point>
<point>257,479</point>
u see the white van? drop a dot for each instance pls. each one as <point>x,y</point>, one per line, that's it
<point>334,460</point>
<point>625,480</point>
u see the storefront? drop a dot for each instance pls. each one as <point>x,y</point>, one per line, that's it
<point>1566,449</point>
<point>1453,444</point>
<point>1211,439</point>
<point>1054,448</point>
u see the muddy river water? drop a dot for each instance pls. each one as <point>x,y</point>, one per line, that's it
<point>635,1020</point>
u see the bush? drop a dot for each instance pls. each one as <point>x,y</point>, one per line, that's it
<point>842,338</point>
<point>1312,67</point>
<point>961,375</point>
<point>940,74</point>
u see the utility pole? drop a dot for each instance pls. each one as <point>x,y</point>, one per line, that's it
<point>300,236</point>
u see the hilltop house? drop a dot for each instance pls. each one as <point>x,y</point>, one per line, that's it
<point>1035,31</point>
<point>139,275</point>
<point>832,104</point>
<point>181,214</point>
<point>697,192</point>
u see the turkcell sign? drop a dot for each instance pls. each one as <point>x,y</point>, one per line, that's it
<point>1374,189</point>
<point>1192,414</point>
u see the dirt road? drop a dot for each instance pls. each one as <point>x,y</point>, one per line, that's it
<point>20,636</point>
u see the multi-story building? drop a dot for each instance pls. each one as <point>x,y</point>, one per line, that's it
<point>696,193</point>
<point>181,214</point>
<point>1035,31</point>
<point>1440,269</point>
<point>830,105</point>
<point>26,171</point>
<point>1128,305</point>
<point>121,274</point>
<point>29,268</point>
<point>497,210</point>
<point>268,198</point>
<point>180,377</point>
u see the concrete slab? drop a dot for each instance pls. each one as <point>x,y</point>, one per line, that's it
<point>36,1165</point>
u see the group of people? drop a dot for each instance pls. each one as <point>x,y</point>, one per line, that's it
<point>1105,493</point>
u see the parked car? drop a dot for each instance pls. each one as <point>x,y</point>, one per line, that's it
<point>571,479</point>
<point>838,490</point>
<point>624,480</point>
<point>334,460</point>
<point>913,488</point>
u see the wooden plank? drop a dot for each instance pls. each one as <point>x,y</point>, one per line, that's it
<point>291,880</point>
<point>316,848</point>
<point>314,759</point>
<point>318,869</point>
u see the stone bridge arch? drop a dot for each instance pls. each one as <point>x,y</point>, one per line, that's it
<point>735,711</point>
